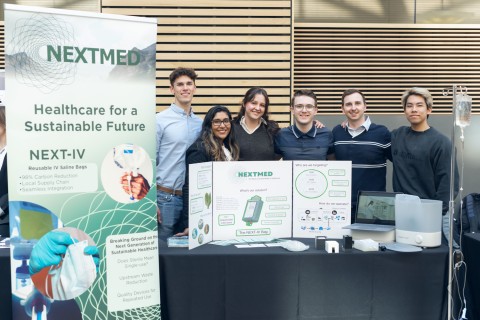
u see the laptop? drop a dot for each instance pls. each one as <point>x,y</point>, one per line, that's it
<point>375,211</point>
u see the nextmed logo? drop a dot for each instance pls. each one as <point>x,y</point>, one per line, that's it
<point>92,55</point>
<point>247,174</point>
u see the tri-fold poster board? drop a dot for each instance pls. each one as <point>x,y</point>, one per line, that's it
<point>278,199</point>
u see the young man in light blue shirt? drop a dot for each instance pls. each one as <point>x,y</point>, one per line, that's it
<point>177,128</point>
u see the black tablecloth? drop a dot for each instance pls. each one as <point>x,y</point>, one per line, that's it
<point>471,251</point>
<point>229,283</point>
<point>5,286</point>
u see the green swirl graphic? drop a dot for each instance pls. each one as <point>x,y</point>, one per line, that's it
<point>30,38</point>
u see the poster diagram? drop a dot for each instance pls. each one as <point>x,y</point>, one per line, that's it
<point>321,198</point>
<point>311,184</point>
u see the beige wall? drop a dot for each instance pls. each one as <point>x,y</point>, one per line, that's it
<point>388,11</point>
<point>82,5</point>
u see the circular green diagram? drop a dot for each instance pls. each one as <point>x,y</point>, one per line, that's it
<point>311,183</point>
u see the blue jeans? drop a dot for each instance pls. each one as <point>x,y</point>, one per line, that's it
<point>170,208</point>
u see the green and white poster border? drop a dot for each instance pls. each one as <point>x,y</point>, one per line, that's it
<point>80,101</point>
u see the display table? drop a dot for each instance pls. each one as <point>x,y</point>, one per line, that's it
<point>229,283</point>
<point>471,251</point>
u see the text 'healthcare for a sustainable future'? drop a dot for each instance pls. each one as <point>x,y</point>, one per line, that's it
<point>84,125</point>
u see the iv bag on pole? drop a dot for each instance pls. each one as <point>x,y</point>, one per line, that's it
<point>463,110</point>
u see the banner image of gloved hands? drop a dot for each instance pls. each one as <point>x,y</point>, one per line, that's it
<point>63,263</point>
<point>81,102</point>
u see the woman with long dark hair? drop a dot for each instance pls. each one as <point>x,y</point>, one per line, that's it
<point>216,143</point>
<point>254,131</point>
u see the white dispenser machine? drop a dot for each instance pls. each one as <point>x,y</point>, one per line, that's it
<point>418,221</point>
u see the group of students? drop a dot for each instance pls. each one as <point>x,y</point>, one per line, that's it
<point>419,153</point>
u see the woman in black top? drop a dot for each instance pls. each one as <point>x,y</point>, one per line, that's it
<point>254,132</point>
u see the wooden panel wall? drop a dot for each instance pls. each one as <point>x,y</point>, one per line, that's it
<point>233,45</point>
<point>385,59</point>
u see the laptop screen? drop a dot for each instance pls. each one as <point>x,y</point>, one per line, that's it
<point>376,207</point>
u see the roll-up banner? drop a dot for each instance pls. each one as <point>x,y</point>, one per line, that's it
<point>80,105</point>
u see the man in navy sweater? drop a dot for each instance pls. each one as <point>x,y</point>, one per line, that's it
<point>366,144</point>
<point>303,140</point>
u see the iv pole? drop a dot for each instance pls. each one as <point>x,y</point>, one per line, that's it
<point>451,204</point>
<point>451,208</point>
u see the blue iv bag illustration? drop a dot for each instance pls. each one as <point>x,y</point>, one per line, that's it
<point>252,211</point>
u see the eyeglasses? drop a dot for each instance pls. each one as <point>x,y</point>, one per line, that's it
<point>300,107</point>
<point>218,122</point>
